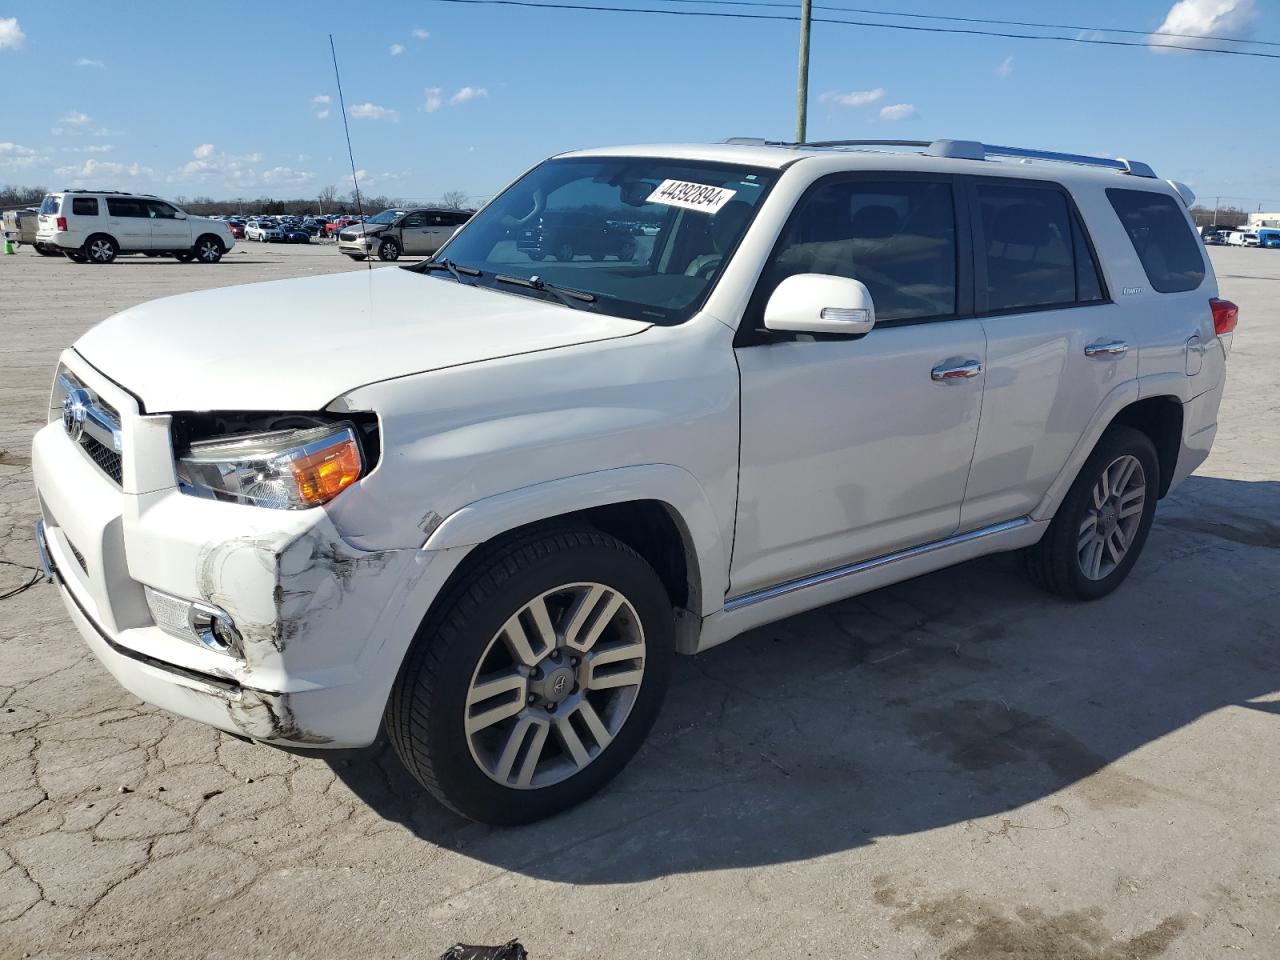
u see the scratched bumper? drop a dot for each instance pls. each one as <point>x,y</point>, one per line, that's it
<point>323,623</point>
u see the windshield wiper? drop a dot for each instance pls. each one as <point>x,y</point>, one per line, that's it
<point>567,295</point>
<point>426,266</point>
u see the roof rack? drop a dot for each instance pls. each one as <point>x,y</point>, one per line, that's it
<point>964,150</point>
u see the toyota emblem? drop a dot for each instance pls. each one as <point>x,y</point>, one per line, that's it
<point>74,410</point>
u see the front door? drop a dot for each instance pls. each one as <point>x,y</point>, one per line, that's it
<point>415,234</point>
<point>167,231</point>
<point>852,449</point>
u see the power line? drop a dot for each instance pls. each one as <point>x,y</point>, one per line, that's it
<point>1004,23</point>
<point>539,5</point>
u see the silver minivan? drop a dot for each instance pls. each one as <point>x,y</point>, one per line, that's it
<point>419,231</point>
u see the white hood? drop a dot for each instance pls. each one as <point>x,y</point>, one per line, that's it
<point>297,344</point>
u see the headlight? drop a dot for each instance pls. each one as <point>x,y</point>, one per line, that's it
<point>284,469</point>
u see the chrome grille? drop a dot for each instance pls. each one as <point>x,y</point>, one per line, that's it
<point>99,429</point>
<point>346,236</point>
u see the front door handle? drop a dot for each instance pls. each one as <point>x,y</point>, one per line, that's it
<point>1106,349</point>
<point>953,370</point>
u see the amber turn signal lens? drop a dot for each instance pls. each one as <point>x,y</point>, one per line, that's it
<point>323,474</point>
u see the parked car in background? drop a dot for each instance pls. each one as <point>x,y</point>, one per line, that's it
<point>262,230</point>
<point>237,228</point>
<point>569,234</point>
<point>420,231</point>
<point>489,500</point>
<point>21,226</point>
<point>95,226</point>
<point>1269,237</point>
<point>1243,238</point>
<point>293,233</point>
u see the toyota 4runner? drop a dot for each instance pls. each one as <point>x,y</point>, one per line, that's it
<point>483,500</point>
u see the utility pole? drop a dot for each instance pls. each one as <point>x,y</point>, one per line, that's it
<point>802,89</point>
<point>1216,201</point>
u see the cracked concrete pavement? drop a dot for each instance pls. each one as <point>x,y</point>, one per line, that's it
<point>954,767</point>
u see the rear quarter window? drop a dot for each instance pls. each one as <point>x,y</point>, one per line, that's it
<point>1162,238</point>
<point>84,206</point>
<point>51,204</point>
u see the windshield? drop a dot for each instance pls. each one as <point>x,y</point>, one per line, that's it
<point>647,236</point>
<point>387,216</point>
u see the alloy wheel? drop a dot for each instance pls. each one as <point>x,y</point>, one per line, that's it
<point>555,685</point>
<point>102,251</point>
<point>1112,517</point>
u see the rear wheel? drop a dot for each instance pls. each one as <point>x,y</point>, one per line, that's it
<point>564,251</point>
<point>537,677</point>
<point>1102,525</point>
<point>100,248</point>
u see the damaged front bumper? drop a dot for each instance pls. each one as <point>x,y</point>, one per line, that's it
<point>322,624</point>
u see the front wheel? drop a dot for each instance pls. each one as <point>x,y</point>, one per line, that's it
<point>209,250</point>
<point>537,677</point>
<point>388,250</point>
<point>1102,525</point>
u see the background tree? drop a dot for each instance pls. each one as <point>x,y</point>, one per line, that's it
<point>454,199</point>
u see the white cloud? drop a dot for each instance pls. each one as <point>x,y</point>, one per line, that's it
<point>11,35</point>
<point>322,114</point>
<point>322,98</point>
<point>434,100</point>
<point>320,106</point>
<point>15,150</point>
<point>104,168</point>
<point>467,93</point>
<point>420,34</point>
<point>1202,18</point>
<point>237,170</point>
<point>86,62</point>
<point>898,111</point>
<point>371,111</point>
<point>91,148</point>
<point>203,151</point>
<point>397,49</point>
<point>75,119</point>
<point>1006,67</point>
<point>286,177</point>
<point>855,98</point>
<point>14,156</point>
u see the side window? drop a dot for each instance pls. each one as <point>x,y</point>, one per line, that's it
<point>414,222</point>
<point>84,206</point>
<point>897,237</point>
<point>125,207</point>
<point>1088,283</point>
<point>457,219</point>
<point>1029,236</point>
<point>158,209</point>
<point>1161,237</point>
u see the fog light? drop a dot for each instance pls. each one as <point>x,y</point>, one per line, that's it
<point>195,622</point>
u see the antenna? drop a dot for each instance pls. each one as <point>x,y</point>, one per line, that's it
<point>342,104</point>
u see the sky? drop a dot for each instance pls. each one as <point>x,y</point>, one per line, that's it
<point>238,99</point>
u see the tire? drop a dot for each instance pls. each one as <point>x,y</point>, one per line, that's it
<point>184,256</point>
<point>75,256</point>
<point>389,250</point>
<point>468,630</point>
<point>1077,557</point>
<point>209,249</point>
<point>356,256</point>
<point>564,251</point>
<point>537,255</point>
<point>44,251</point>
<point>100,248</point>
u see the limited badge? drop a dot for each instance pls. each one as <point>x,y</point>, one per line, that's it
<point>691,196</point>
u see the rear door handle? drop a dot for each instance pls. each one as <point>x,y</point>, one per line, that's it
<point>956,370</point>
<point>1106,349</point>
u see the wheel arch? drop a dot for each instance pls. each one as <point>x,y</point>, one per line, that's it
<point>660,510</point>
<point>1160,418</point>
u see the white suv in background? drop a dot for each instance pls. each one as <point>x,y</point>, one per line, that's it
<point>484,499</point>
<point>92,226</point>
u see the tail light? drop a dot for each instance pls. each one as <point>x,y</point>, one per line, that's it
<point>1225,316</point>
<point>62,223</point>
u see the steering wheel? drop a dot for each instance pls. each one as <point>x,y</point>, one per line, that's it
<point>705,266</point>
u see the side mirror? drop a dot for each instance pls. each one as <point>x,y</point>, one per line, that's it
<point>179,215</point>
<point>818,303</point>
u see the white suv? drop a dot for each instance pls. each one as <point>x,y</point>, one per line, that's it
<point>92,226</point>
<point>484,499</point>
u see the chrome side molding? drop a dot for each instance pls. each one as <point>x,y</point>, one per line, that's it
<point>875,563</point>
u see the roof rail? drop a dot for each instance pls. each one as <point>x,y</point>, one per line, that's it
<point>966,150</point>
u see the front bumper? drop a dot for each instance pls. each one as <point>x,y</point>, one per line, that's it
<point>365,246</point>
<point>324,624</point>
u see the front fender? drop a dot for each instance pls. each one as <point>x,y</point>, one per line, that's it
<point>674,486</point>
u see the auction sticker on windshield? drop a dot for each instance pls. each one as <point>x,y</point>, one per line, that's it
<point>691,196</point>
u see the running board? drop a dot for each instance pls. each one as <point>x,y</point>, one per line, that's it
<point>863,566</point>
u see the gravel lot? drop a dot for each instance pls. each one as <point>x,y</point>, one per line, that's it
<point>955,767</point>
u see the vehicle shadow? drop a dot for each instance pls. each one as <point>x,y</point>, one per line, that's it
<point>957,696</point>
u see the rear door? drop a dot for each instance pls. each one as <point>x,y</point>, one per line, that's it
<point>1056,342</point>
<point>129,222</point>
